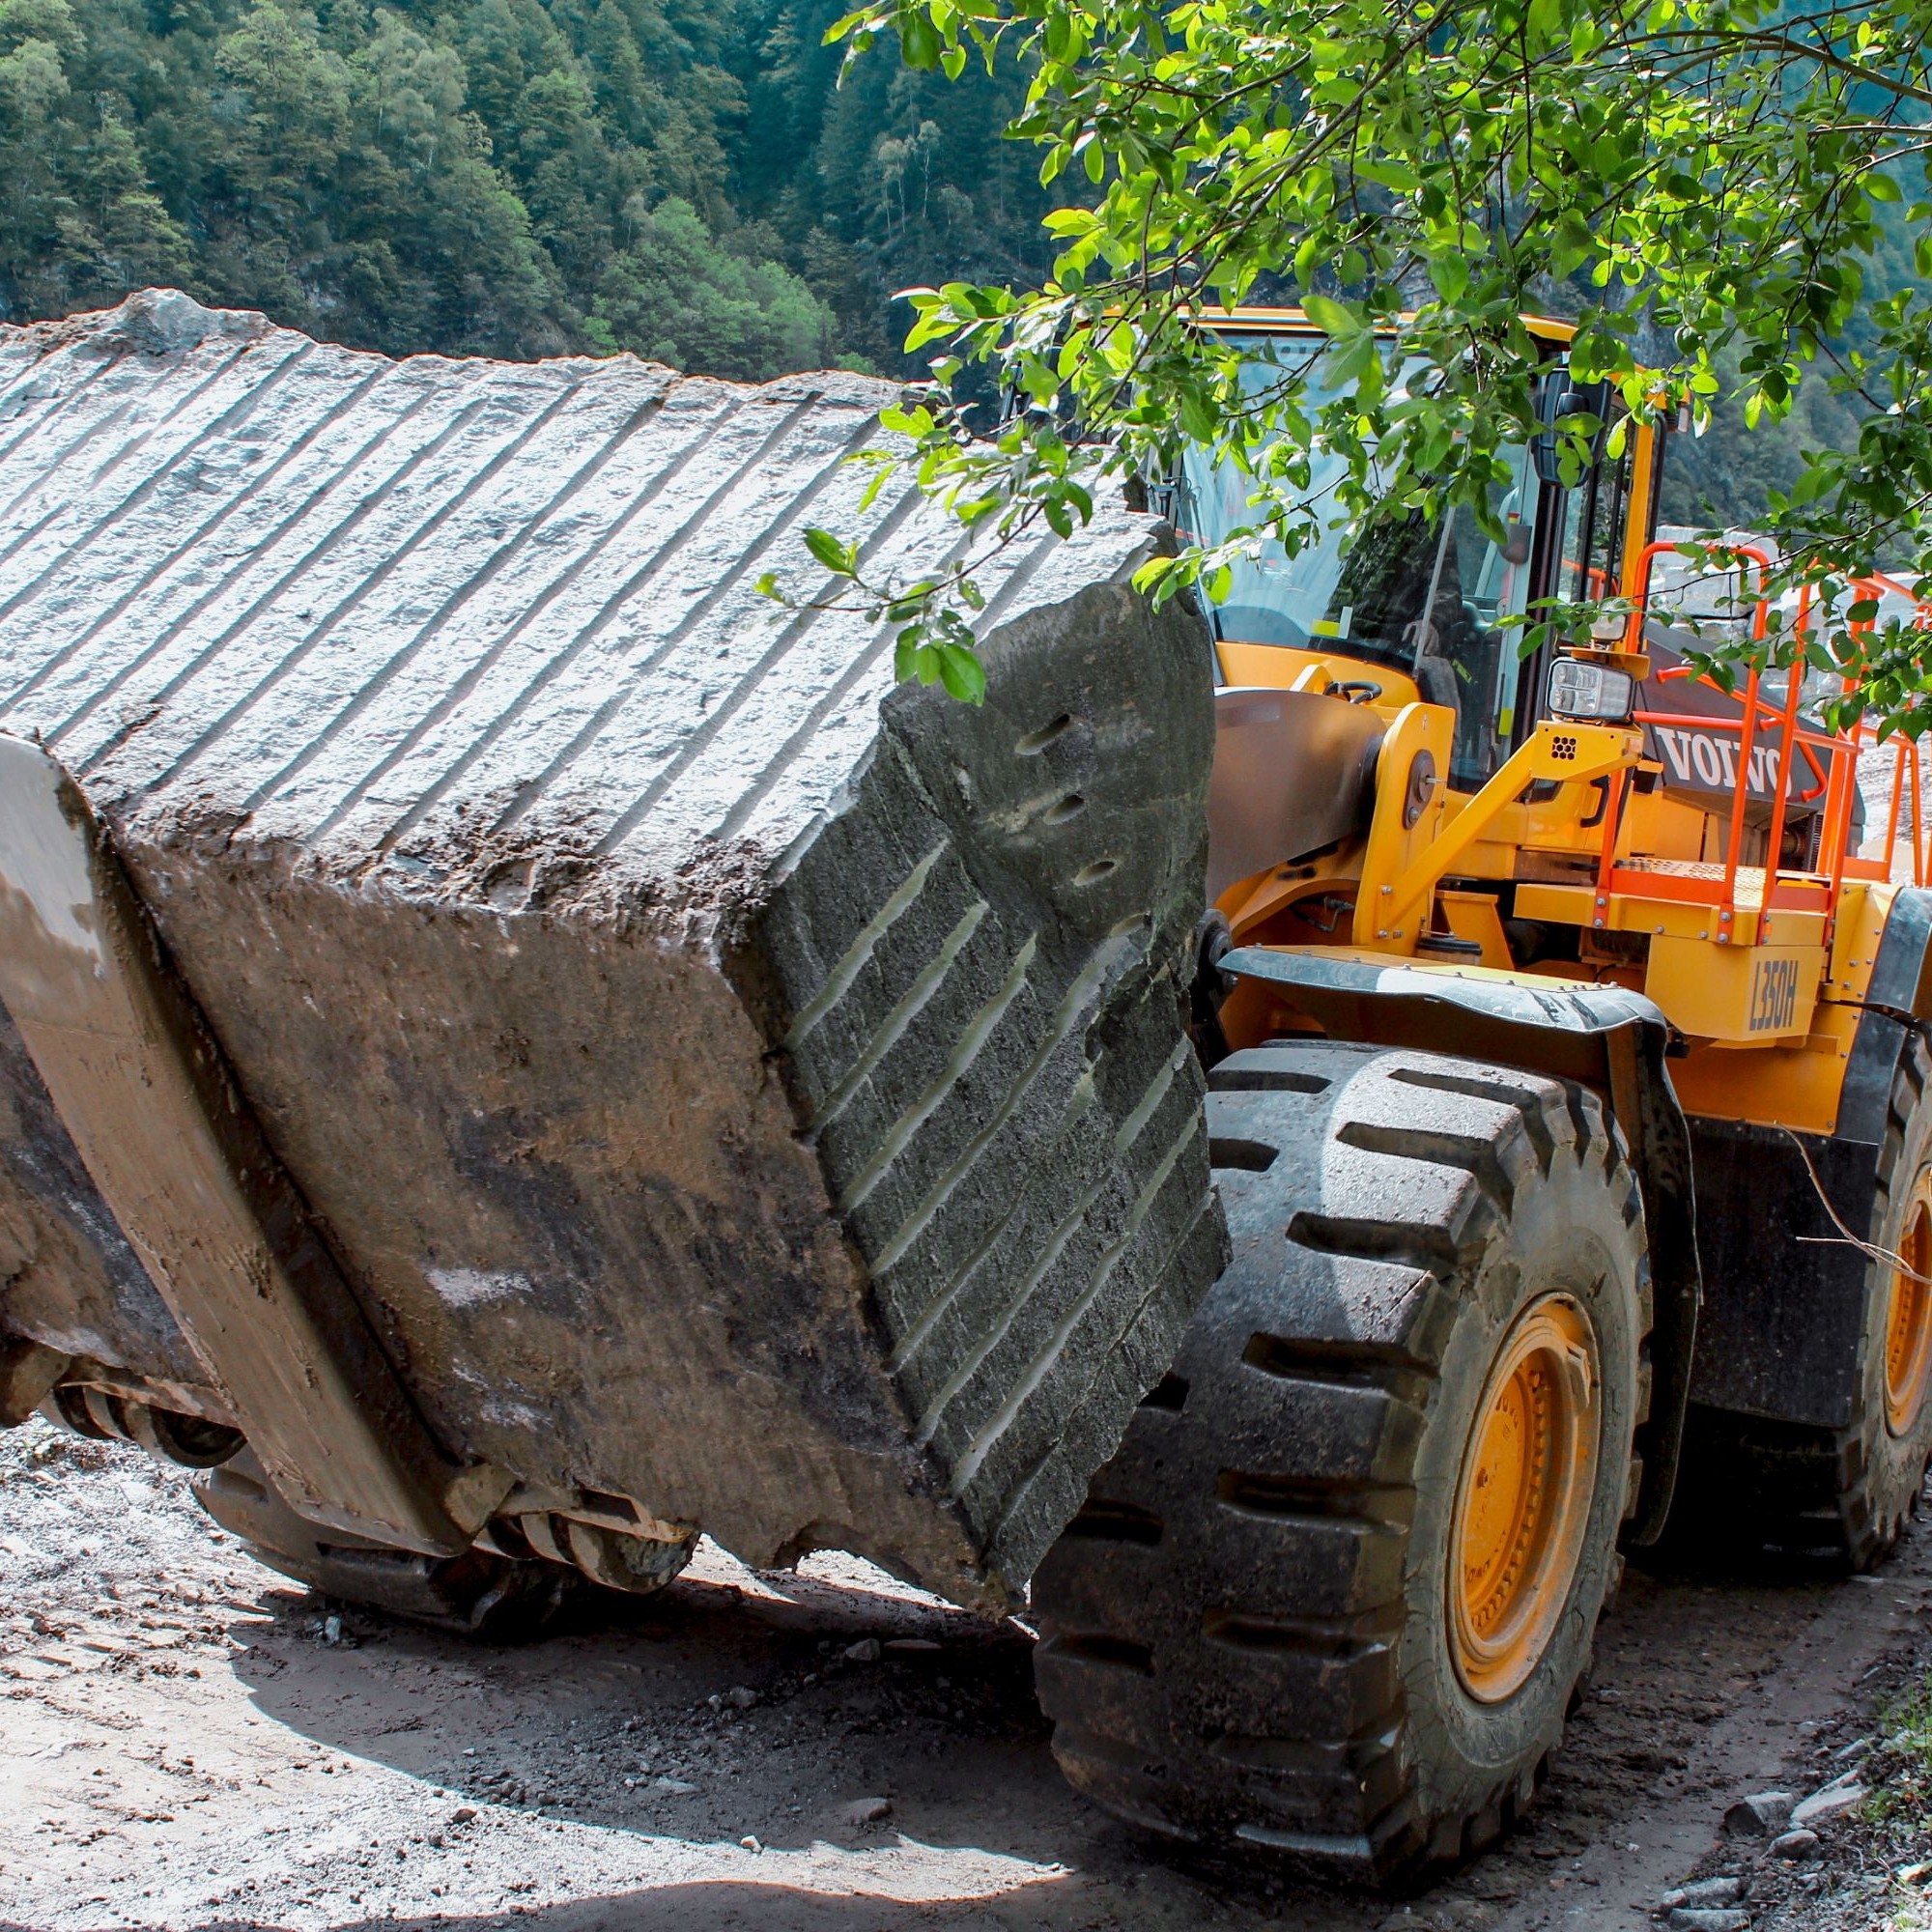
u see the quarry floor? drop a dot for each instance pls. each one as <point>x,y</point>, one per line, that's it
<point>189,1741</point>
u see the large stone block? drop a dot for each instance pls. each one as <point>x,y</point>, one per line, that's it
<point>724,1080</point>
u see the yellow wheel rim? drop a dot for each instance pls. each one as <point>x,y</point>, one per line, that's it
<point>1908,1321</point>
<point>1523,1497</point>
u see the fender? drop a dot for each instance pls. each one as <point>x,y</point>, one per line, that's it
<point>1607,1037</point>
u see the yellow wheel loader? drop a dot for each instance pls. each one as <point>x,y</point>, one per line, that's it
<point>1567,1077</point>
<point>1275,1147</point>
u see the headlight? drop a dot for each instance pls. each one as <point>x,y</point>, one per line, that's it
<point>1589,691</point>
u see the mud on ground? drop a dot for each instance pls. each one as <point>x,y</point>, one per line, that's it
<point>186,1740</point>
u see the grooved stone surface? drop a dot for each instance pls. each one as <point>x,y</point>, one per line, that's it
<point>729,1080</point>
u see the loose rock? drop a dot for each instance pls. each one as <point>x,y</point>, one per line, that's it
<point>1761,1815</point>
<point>563,771</point>
<point>1715,1919</point>
<point>1832,1801</point>
<point>866,1651</point>
<point>1795,1844</point>
<point>868,1810</point>
<point>1705,1891</point>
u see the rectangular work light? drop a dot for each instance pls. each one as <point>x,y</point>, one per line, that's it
<point>1590,691</point>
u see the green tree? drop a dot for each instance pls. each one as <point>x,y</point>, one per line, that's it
<point>36,39</point>
<point>507,176</point>
<point>1702,183</point>
<point>119,233</point>
<point>675,295</point>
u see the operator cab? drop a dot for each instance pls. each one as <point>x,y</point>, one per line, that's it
<point>1411,610</point>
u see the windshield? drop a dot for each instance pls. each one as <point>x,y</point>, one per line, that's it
<point>1424,600</point>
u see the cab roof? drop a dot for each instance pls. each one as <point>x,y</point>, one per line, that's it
<point>1263,321</point>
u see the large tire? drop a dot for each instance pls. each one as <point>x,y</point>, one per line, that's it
<point>1843,1494</point>
<point>1249,1635</point>
<point>477,1594</point>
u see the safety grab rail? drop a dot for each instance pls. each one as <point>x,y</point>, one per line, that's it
<point>1905,753</point>
<point>1815,888</point>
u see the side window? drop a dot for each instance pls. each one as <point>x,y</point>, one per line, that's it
<point>1593,532</point>
<point>1490,584</point>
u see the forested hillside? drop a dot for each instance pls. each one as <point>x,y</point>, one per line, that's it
<point>680,177</point>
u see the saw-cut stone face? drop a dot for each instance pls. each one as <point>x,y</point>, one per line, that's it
<point>726,1080</point>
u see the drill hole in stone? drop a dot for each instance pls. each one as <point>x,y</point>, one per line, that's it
<point>1091,875</point>
<point>1250,1156</point>
<point>1036,742</point>
<point>1069,806</point>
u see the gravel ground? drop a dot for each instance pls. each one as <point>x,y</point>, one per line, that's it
<point>1873,1867</point>
<point>189,1741</point>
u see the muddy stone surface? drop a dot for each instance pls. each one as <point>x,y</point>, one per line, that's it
<point>678,1029</point>
<point>183,1745</point>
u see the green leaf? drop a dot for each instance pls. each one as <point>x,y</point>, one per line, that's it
<point>962,672</point>
<point>918,39</point>
<point>1353,362</point>
<point>1570,244</point>
<point>844,24</point>
<point>840,559</point>
<point>1451,275</point>
<point>1332,318</point>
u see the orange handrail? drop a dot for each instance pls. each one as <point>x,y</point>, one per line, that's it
<point>1794,687</point>
<point>1760,621</point>
<point>1819,886</point>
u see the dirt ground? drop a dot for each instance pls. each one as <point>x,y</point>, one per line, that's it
<point>189,1741</point>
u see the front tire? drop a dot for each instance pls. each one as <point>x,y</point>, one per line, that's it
<point>1329,1602</point>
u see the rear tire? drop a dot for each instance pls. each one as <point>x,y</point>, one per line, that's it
<point>1251,1642</point>
<point>477,1594</point>
<point>1750,1484</point>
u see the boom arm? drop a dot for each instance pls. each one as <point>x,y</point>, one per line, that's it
<point>1392,890</point>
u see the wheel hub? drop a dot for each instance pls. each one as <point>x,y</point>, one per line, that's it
<point>1908,1325</point>
<point>1523,1498</point>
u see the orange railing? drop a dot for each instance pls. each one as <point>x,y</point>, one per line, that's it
<point>1830,756</point>
<point>1905,763</point>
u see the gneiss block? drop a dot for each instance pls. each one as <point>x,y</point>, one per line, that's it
<point>722,1080</point>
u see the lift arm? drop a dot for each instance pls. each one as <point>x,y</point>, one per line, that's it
<point>1558,750</point>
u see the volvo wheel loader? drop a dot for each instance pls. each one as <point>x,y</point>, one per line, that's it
<point>1284,1140</point>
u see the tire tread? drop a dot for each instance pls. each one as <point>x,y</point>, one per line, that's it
<point>1165,1720</point>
